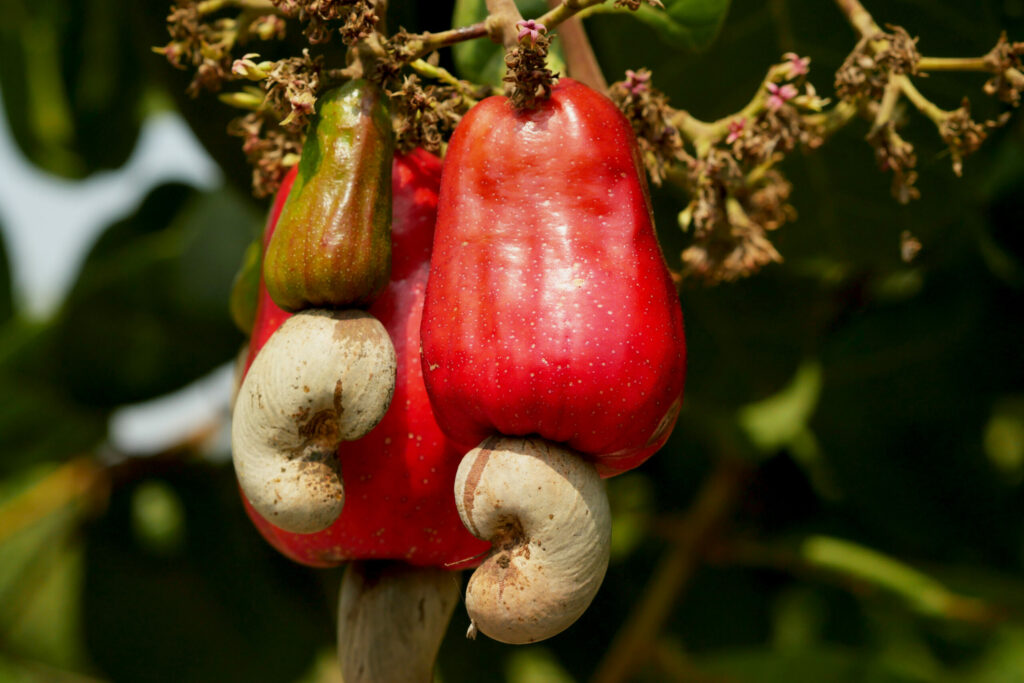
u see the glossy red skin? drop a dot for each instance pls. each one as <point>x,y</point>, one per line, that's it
<point>398,478</point>
<point>269,316</point>
<point>550,310</point>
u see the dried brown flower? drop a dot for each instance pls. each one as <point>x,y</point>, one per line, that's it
<point>360,22</point>
<point>773,134</point>
<point>730,214</point>
<point>270,149</point>
<point>964,135</point>
<point>909,246</point>
<point>199,44</point>
<point>867,69</point>
<point>1005,61</point>
<point>292,88</point>
<point>634,5</point>
<point>423,114</point>
<point>184,26</point>
<point>358,18</point>
<point>649,113</point>
<point>527,73</point>
<point>893,153</point>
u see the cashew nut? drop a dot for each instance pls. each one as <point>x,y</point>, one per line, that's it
<point>323,377</point>
<point>545,510</point>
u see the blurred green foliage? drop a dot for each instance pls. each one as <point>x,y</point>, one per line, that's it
<point>876,407</point>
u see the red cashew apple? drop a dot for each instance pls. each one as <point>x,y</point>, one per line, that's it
<point>550,314</point>
<point>398,477</point>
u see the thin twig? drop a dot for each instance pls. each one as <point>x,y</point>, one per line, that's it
<point>957,64</point>
<point>859,17</point>
<point>564,11</point>
<point>861,571</point>
<point>712,508</point>
<point>923,104</point>
<point>501,22</point>
<point>888,104</point>
<point>579,55</point>
<point>433,41</point>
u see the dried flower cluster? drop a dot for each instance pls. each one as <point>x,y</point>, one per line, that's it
<point>527,74</point>
<point>647,109</point>
<point>727,243</point>
<point>964,135</point>
<point>424,114</point>
<point>893,153</point>
<point>1005,62</point>
<point>398,51</point>
<point>292,87</point>
<point>729,166</point>
<point>867,70</point>
<point>269,148</point>
<point>772,135</point>
<point>272,132</point>
<point>730,215</point>
<point>736,195</point>
<point>204,46</point>
<point>357,18</point>
<point>272,135</point>
<point>634,5</point>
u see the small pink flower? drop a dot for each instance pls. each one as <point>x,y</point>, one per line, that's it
<point>531,29</point>
<point>173,52</point>
<point>798,65</point>
<point>736,127</point>
<point>780,94</point>
<point>242,67</point>
<point>636,83</point>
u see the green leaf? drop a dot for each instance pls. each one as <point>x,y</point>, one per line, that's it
<point>689,24</point>
<point>781,419</point>
<point>40,422</point>
<point>149,312</point>
<point>245,290</point>
<point>925,594</point>
<point>483,61</point>
<point>40,564</point>
<point>71,83</point>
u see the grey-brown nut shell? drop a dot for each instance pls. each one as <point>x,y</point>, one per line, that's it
<point>323,377</point>
<point>545,510</point>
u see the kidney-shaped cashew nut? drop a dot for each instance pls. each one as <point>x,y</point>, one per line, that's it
<point>545,510</point>
<point>323,377</point>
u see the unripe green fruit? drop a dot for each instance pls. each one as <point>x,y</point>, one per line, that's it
<point>332,246</point>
